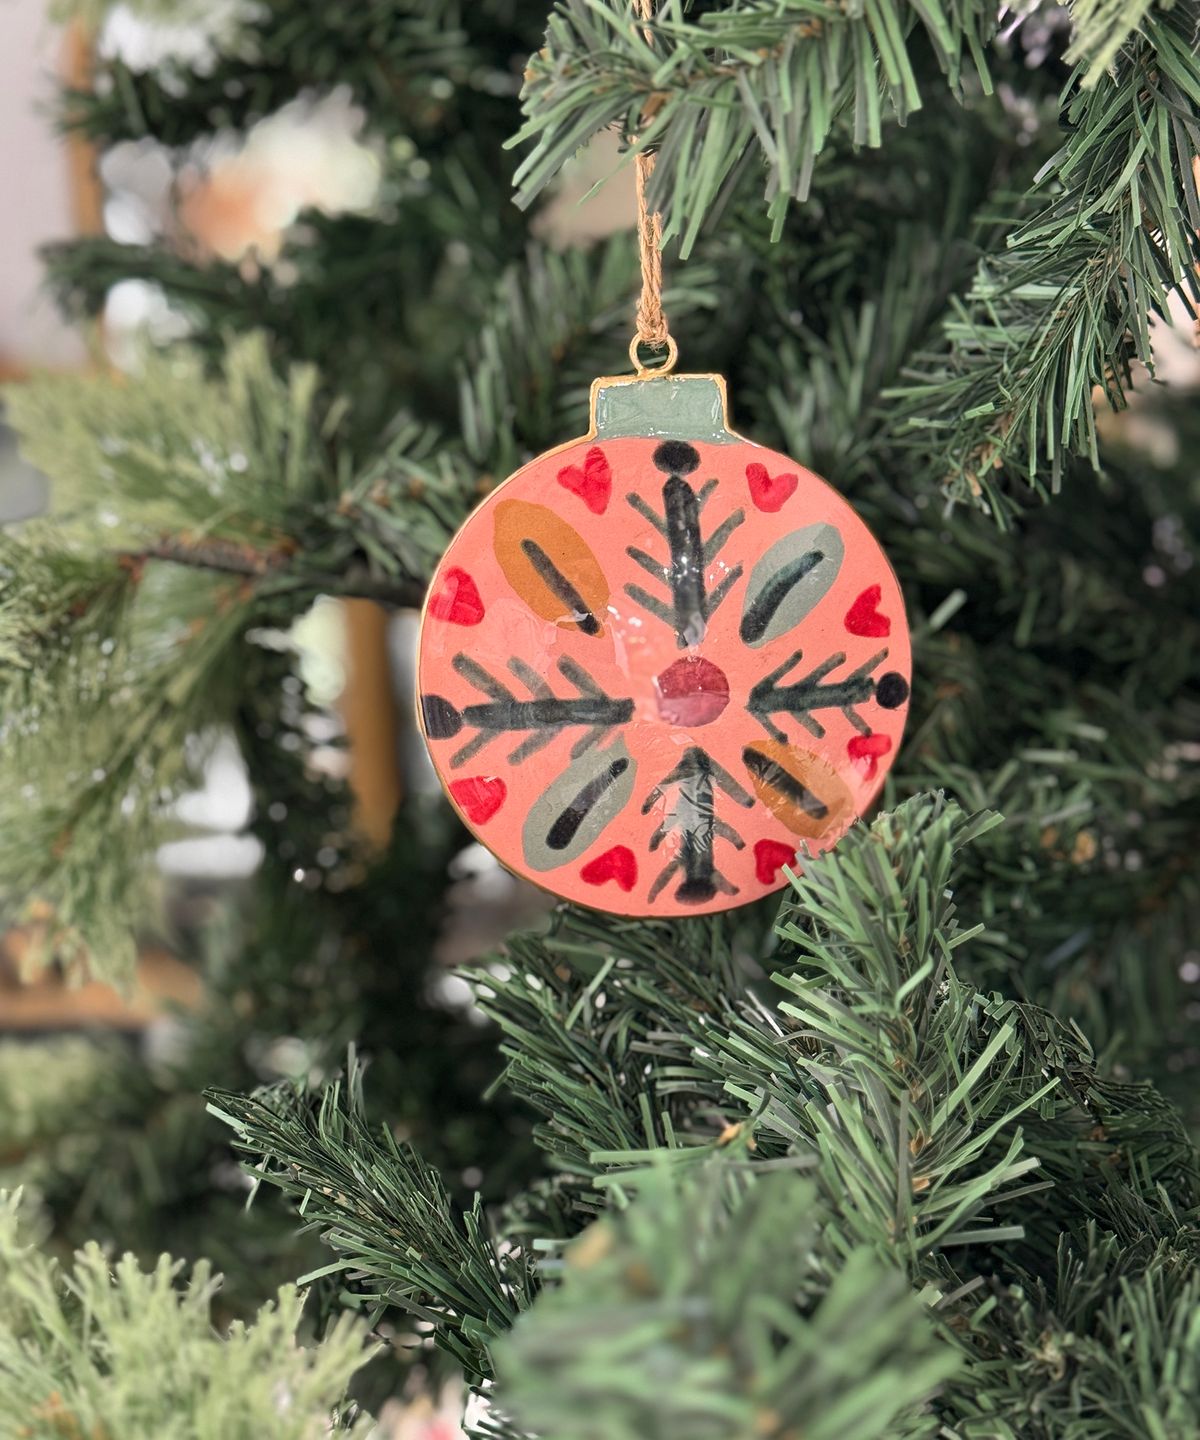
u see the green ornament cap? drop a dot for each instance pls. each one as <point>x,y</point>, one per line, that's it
<point>667,407</point>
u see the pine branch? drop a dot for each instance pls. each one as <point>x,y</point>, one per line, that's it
<point>217,556</point>
<point>928,1100</point>
<point>919,1094</point>
<point>1087,884</point>
<point>117,664</point>
<point>712,1306</point>
<point>1105,1336</point>
<point>77,1347</point>
<point>1101,28</point>
<point>385,1213</point>
<point>772,79</point>
<point>920,1109</point>
<point>121,1148</point>
<point>620,1077</point>
<point>111,670</point>
<point>226,558</point>
<point>194,508</point>
<point>48,591</point>
<point>114,674</point>
<point>1065,310</point>
<point>233,457</point>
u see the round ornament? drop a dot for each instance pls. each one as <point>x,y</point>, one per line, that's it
<point>660,663</point>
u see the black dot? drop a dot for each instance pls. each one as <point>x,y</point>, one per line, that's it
<point>891,690</point>
<point>441,718</point>
<point>676,457</point>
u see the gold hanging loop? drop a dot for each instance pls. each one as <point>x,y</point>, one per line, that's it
<point>661,367</point>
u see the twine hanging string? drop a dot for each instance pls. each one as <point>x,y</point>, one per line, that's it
<point>653,330</point>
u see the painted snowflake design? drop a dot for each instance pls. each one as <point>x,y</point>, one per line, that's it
<point>653,672</point>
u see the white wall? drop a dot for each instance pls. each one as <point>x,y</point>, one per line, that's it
<point>35,192</point>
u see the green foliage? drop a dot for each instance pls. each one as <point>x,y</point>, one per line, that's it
<point>48,588</point>
<point>600,1019</point>
<point>112,1132</point>
<point>776,79</point>
<point>121,626</point>
<point>1088,887</point>
<point>98,745</point>
<point>736,1329</point>
<point>385,1212</point>
<point>1107,1345</point>
<point>98,1350</point>
<point>1102,27</point>
<point>884,1117</point>
<point>44,1087</point>
<point>140,599</point>
<point>926,1098</point>
<point>173,450</point>
<point>1109,230</point>
<point>84,1114</point>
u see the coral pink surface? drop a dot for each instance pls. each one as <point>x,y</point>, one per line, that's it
<point>652,674</point>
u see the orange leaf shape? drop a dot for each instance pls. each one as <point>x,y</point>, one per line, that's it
<point>799,788</point>
<point>550,566</point>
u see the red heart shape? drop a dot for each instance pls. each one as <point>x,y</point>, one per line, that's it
<point>616,864</point>
<point>769,492</point>
<point>479,797</point>
<point>593,484</point>
<point>863,617</point>
<point>865,751</point>
<point>457,599</point>
<point>770,856</point>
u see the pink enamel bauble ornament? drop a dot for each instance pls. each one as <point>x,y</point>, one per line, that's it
<point>661,663</point>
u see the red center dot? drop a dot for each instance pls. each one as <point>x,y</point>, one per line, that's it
<point>693,691</point>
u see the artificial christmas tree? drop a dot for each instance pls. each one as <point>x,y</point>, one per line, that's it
<point>911,1155</point>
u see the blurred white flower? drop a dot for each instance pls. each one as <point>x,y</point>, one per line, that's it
<point>238,196</point>
<point>147,33</point>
